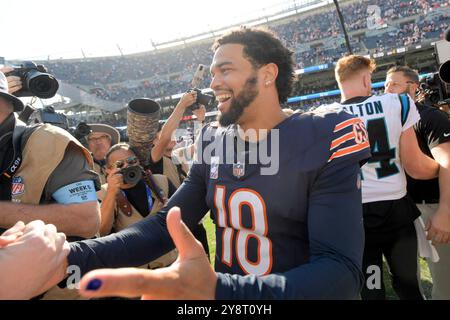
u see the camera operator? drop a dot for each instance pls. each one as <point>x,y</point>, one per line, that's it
<point>431,196</point>
<point>127,202</point>
<point>45,173</point>
<point>99,141</point>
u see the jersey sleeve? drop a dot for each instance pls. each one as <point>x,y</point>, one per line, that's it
<point>148,239</point>
<point>349,140</point>
<point>409,113</point>
<point>336,237</point>
<point>72,169</point>
<point>435,128</point>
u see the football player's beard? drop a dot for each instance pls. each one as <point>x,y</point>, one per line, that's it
<point>237,105</point>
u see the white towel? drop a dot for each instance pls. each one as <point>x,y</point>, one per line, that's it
<point>426,249</point>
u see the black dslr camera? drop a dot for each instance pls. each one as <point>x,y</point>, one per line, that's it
<point>81,132</point>
<point>131,174</point>
<point>202,99</point>
<point>35,81</point>
<point>433,88</point>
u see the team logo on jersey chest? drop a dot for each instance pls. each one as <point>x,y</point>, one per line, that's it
<point>238,170</point>
<point>18,186</point>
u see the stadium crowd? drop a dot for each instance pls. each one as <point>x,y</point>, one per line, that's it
<point>169,72</point>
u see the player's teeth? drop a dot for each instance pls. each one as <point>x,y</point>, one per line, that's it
<point>221,98</point>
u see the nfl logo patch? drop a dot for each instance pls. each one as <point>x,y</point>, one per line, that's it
<point>238,170</point>
<point>18,187</point>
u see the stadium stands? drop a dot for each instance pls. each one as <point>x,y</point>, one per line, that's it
<point>315,36</point>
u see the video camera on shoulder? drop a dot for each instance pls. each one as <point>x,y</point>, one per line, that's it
<point>35,81</point>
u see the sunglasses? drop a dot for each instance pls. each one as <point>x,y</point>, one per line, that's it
<point>130,160</point>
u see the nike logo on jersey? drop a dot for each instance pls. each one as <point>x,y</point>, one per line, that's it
<point>446,135</point>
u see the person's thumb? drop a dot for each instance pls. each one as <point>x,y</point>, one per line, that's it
<point>188,247</point>
<point>5,240</point>
<point>11,235</point>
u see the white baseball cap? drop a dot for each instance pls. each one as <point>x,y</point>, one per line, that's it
<point>17,103</point>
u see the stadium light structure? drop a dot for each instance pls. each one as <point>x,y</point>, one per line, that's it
<point>344,29</point>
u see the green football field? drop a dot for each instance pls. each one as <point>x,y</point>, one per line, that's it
<point>425,273</point>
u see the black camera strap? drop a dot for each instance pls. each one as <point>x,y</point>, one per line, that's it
<point>7,175</point>
<point>17,141</point>
<point>14,166</point>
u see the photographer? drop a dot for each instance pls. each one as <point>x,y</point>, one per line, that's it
<point>161,161</point>
<point>45,173</point>
<point>161,153</point>
<point>431,196</point>
<point>99,141</point>
<point>125,203</point>
<point>185,154</point>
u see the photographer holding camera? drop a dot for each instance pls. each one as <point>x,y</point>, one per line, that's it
<point>161,161</point>
<point>131,195</point>
<point>431,196</point>
<point>45,173</point>
<point>184,154</point>
<point>161,153</point>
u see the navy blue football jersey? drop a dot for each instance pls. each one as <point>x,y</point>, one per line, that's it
<point>288,221</point>
<point>262,220</point>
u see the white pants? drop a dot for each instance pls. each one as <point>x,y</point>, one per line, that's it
<point>440,271</point>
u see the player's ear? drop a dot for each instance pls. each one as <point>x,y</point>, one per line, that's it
<point>269,73</point>
<point>367,81</point>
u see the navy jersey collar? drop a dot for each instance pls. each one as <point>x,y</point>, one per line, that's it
<point>354,100</point>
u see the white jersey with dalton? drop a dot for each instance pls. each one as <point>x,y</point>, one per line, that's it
<point>386,117</point>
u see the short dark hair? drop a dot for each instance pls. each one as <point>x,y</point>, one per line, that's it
<point>262,47</point>
<point>411,74</point>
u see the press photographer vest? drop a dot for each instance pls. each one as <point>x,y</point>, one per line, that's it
<point>122,219</point>
<point>42,153</point>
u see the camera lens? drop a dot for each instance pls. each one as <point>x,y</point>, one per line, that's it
<point>131,175</point>
<point>42,85</point>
